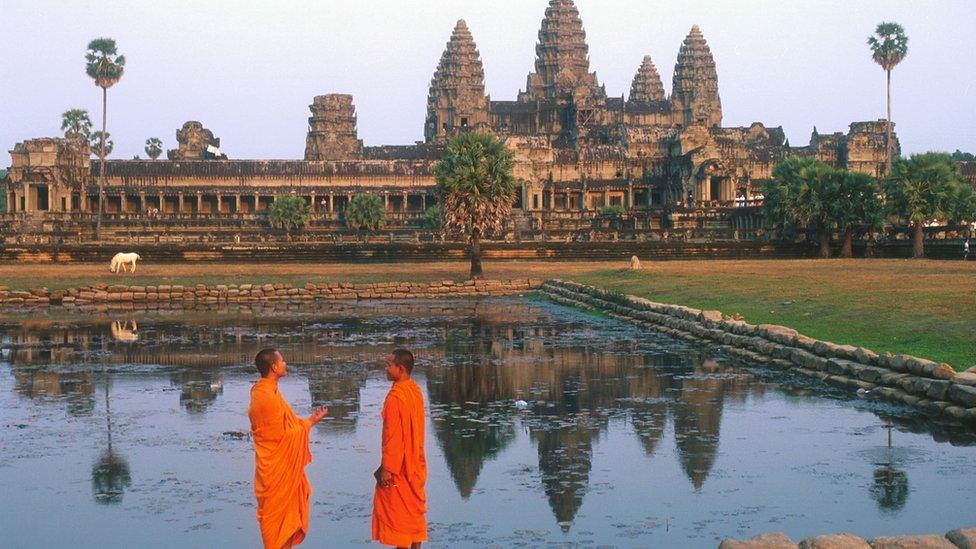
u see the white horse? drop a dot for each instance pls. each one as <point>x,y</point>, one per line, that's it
<point>635,264</point>
<point>125,331</point>
<point>120,260</point>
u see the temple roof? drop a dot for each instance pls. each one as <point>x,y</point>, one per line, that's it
<point>647,84</point>
<point>258,168</point>
<point>562,56</point>
<point>459,72</point>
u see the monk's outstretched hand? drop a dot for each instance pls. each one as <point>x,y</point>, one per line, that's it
<point>318,414</point>
<point>384,478</point>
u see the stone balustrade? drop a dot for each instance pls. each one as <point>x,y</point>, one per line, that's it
<point>962,538</point>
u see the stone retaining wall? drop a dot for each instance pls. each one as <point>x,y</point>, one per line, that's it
<point>935,389</point>
<point>163,296</point>
<point>963,538</point>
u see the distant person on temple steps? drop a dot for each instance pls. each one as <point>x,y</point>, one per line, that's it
<point>965,250</point>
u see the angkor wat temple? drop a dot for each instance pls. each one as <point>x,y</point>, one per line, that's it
<point>666,160</point>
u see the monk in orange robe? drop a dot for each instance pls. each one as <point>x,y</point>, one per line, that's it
<point>280,456</point>
<point>400,504</point>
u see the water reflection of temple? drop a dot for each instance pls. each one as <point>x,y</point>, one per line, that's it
<point>575,381</point>
<point>479,357</point>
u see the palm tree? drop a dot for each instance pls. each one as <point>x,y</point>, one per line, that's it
<point>154,147</point>
<point>105,67</point>
<point>858,203</point>
<point>365,212</point>
<point>97,143</point>
<point>289,213</point>
<point>920,191</point>
<point>889,46</point>
<point>476,188</point>
<point>803,191</point>
<point>76,123</point>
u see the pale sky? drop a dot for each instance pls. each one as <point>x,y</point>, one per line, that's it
<point>249,70</point>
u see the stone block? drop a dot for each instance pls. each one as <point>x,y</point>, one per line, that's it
<point>898,363</point>
<point>943,371</point>
<point>711,316</point>
<point>964,395</point>
<point>834,541</point>
<point>963,538</point>
<point>965,378</point>
<point>937,389</point>
<point>771,540</point>
<point>911,542</point>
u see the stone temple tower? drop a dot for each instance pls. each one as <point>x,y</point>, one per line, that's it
<point>562,63</point>
<point>694,92</point>
<point>647,86</point>
<point>332,129</point>
<point>457,97</point>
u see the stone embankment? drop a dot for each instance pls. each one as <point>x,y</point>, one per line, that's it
<point>935,389</point>
<point>187,296</point>
<point>963,538</point>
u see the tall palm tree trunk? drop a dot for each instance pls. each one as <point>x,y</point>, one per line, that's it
<point>824,243</point>
<point>888,129</point>
<point>918,242</point>
<point>476,271</point>
<point>101,165</point>
<point>847,250</point>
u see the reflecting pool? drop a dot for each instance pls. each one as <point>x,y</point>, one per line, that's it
<point>130,429</point>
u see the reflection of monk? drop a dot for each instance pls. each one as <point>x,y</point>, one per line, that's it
<point>400,503</point>
<point>280,456</point>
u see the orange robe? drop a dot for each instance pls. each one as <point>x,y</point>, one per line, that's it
<point>398,511</point>
<point>280,456</point>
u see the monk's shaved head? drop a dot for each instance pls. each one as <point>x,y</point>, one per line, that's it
<point>403,358</point>
<point>265,359</point>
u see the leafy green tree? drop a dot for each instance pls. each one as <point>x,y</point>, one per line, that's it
<point>96,144</point>
<point>154,147</point>
<point>922,190</point>
<point>3,195</point>
<point>105,66</point>
<point>365,212</point>
<point>963,156</point>
<point>961,205</point>
<point>476,189</point>
<point>610,210</point>
<point>433,220</point>
<point>802,192</point>
<point>889,46</point>
<point>290,213</point>
<point>76,123</point>
<point>858,203</point>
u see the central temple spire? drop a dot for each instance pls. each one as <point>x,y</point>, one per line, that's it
<point>457,91</point>
<point>647,84</point>
<point>562,62</point>
<point>694,90</point>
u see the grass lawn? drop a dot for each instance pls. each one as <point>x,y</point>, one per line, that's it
<point>924,308</point>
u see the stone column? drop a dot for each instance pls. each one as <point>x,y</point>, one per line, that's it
<point>11,201</point>
<point>237,203</point>
<point>162,203</point>
<point>179,202</point>
<point>606,198</point>
<point>423,201</point>
<point>405,201</point>
<point>257,201</point>
<point>199,202</point>
<point>331,203</point>
<point>218,203</point>
<point>630,196</point>
<point>50,199</point>
<point>142,202</point>
<point>386,201</point>
<point>123,202</point>
<point>315,207</point>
